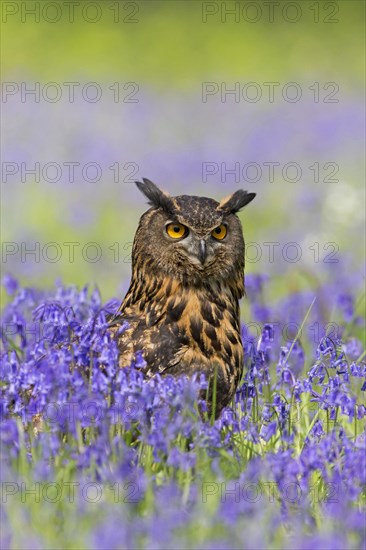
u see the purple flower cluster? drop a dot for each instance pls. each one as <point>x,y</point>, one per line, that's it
<point>284,466</point>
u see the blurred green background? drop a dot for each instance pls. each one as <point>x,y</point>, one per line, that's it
<point>161,54</point>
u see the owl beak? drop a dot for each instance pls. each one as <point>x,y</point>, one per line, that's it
<point>202,251</point>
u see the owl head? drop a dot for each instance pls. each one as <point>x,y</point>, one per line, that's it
<point>190,238</point>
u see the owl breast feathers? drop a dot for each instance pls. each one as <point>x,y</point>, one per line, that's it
<point>182,306</point>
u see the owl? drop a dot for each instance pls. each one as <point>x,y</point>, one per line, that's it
<point>182,305</point>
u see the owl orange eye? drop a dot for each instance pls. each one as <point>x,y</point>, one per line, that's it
<point>219,233</point>
<point>176,230</point>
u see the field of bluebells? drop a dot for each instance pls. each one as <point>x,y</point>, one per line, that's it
<point>95,457</point>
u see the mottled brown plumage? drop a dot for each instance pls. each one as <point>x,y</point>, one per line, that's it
<point>182,305</point>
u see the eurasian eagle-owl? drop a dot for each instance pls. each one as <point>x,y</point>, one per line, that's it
<point>182,306</point>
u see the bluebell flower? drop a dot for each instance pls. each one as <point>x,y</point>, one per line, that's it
<point>317,429</point>
<point>268,430</point>
<point>346,304</point>
<point>10,284</point>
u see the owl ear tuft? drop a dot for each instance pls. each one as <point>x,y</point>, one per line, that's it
<point>157,197</point>
<point>234,202</point>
